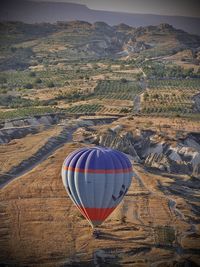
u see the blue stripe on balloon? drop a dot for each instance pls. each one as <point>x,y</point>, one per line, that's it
<point>94,158</point>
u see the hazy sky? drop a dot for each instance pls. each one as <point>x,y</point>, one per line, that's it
<point>189,8</point>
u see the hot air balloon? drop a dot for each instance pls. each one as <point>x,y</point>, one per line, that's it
<point>96,179</point>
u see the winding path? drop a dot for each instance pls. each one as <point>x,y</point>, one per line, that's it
<point>137,98</point>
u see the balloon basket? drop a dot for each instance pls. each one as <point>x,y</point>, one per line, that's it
<point>96,233</point>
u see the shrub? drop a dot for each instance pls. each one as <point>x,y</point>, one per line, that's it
<point>32,74</point>
<point>123,219</point>
<point>50,84</point>
<point>3,79</point>
<point>124,110</point>
<point>13,49</point>
<point>123,80</point>
<point>38,80</point>
<point>146,95</point>
<point>28,86</point>
<point>3,91</point>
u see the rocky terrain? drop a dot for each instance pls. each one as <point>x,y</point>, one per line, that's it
<point>182,157</point>
<point>180,154</point>
<point>19,128</point>
<point>34,142</point>
<point>34,42</point>
<point>157,224</point>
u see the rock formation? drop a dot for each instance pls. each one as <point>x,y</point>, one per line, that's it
<point>122,142</point>
<point>183,157</point>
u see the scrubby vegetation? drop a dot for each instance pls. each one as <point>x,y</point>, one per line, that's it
<point>16,102</point>
<point>161,70</point>
<point>25,112</point>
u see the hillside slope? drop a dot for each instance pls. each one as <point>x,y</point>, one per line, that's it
<point>22,45</point>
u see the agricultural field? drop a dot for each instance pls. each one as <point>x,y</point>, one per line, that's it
<point>87,88</point>
<point>117,89</point>
<point>49,76</point>
<point>84,109</point>
<point>175,83</point>
<point>170,97</point>
<point>72,88</point>
<point>105,97</point>
<point>78,67</point>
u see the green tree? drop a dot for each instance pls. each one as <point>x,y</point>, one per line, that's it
<point>32,74</point>
<point>50,84</point>
<point>38,80</point>
<point>28,86</point>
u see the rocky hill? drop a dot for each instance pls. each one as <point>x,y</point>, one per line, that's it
<point>183,157</point>
<point>23,44</point>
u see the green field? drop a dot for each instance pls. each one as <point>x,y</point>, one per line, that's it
<point>84,109</point>
<point>170,97</point>
<point>117,89</point>
<point>26,112</point>
<point>180,84</point>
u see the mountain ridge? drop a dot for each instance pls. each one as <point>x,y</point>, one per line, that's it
<point>31,11</point>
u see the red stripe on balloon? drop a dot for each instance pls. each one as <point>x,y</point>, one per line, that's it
<point>98,171</point>
<point>96,214</point>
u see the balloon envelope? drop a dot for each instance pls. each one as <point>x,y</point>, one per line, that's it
<point>96,180</point>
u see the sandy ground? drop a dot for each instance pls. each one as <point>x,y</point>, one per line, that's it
<point>169,126</point>
<point>17,150</point>
<point>135,70</point>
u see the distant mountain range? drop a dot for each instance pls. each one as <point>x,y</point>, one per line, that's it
<point>31,12</point>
